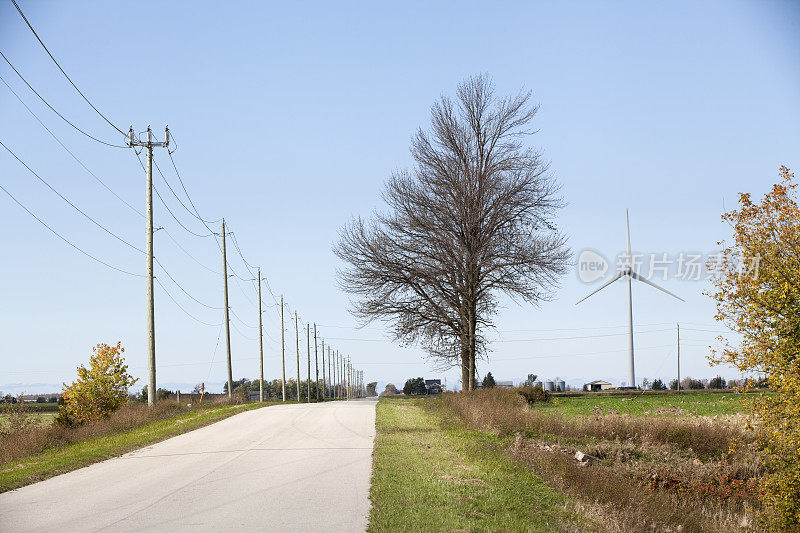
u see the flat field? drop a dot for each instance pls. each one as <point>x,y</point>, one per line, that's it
<point>42,419</point>
<point>689,403</point>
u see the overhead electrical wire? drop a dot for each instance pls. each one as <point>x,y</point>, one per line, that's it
<point>158,194</point>
<point>54,110</point>
<point>81,163</point>
<point>75,207</point>
<point>188,196</point>
<point>75,246</point>
<point>62,70</point>
<point>99,180</point>
<point>187,293</point>
<point>181,307</point>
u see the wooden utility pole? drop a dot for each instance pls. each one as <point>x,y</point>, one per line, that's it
<point>679,357</point>
<point>324,384</point>
<point>331,376</point>
<point>316,361</point>
<point>148,220</point>
<point>227,317</point>
<point>283,354</point>
<point>297,347</point>
<point>308,351</point>
<point>260,345</point>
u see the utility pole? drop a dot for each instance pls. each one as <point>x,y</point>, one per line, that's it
<point>337,372</point>
<point>283,354</point>
<point>308,349</point>
<point>324,384</point>
<point>316,360</point>
<point>679,357</point>
<point>260,345</point>
<point>151,307</point>
<point>227,317</point>
<point>297,347</point>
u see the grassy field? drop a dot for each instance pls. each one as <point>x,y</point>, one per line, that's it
<point>42,419</point>
<point>61,459</point>
<point>430,473</point>
<point>691,471</point>
<point>699,403</point>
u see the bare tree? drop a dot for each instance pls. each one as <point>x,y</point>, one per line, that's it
<point>473,219</point>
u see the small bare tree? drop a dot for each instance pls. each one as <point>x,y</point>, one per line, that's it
<point>473,219</point>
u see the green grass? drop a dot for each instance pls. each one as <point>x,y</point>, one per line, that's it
<point>685,404</point>
<point>63,459</point>
<point>432,474</point>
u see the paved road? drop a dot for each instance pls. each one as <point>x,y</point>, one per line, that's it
<point>284,468</point>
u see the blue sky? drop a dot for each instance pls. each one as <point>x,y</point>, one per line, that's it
<point>289,117</point>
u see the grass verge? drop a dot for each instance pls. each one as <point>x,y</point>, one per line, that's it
<point>677,473</point>
<point>431,473</point>
<point>73,455</point>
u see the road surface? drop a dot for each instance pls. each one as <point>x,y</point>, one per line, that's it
<point>302,467</point>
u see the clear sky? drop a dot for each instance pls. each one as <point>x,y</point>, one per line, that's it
<point>289,117</point>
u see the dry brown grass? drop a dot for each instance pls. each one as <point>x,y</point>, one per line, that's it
<point>22,437</point>
<point>504,410</point>
<point>652,474</point>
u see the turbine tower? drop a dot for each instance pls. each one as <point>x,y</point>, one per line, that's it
<point>628,272</point>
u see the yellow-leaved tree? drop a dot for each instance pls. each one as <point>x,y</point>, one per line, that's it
<point>758,295</point>
<point>100,389</point>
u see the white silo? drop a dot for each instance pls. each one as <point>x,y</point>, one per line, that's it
<point>548,385</point>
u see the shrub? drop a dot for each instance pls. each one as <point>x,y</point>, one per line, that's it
<point>756,295</point>
<point>99,390</point>
<point>533,394</point>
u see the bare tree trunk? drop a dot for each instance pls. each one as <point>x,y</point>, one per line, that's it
<point>472,342</point>
<point>466,383</point>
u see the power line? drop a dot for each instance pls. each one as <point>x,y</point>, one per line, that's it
<point>245,324</point>
<point>57,234</point>
<point>54,110</point>
<point>187,192</point>
<point>158,194</point>
<point>181,307</point>
<point>182,289</point>
<point>95,222</point>
<point>97,178</point>
<point>61,69</point>
<point>193,258</point>
<point>58,140</point>
<point>163,177</point>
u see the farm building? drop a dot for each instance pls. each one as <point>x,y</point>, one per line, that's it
<point>504,384</point>
<point>598,385</point>
<point>433,386</point>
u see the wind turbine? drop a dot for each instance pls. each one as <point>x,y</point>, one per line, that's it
<point>628,272</point>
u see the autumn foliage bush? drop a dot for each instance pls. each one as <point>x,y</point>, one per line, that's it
<point>99,390</point>
<point>758,295</point>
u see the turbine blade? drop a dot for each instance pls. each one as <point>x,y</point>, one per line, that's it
<point>637,277</point>
<point>628,226</point>
<point>603,286</point>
